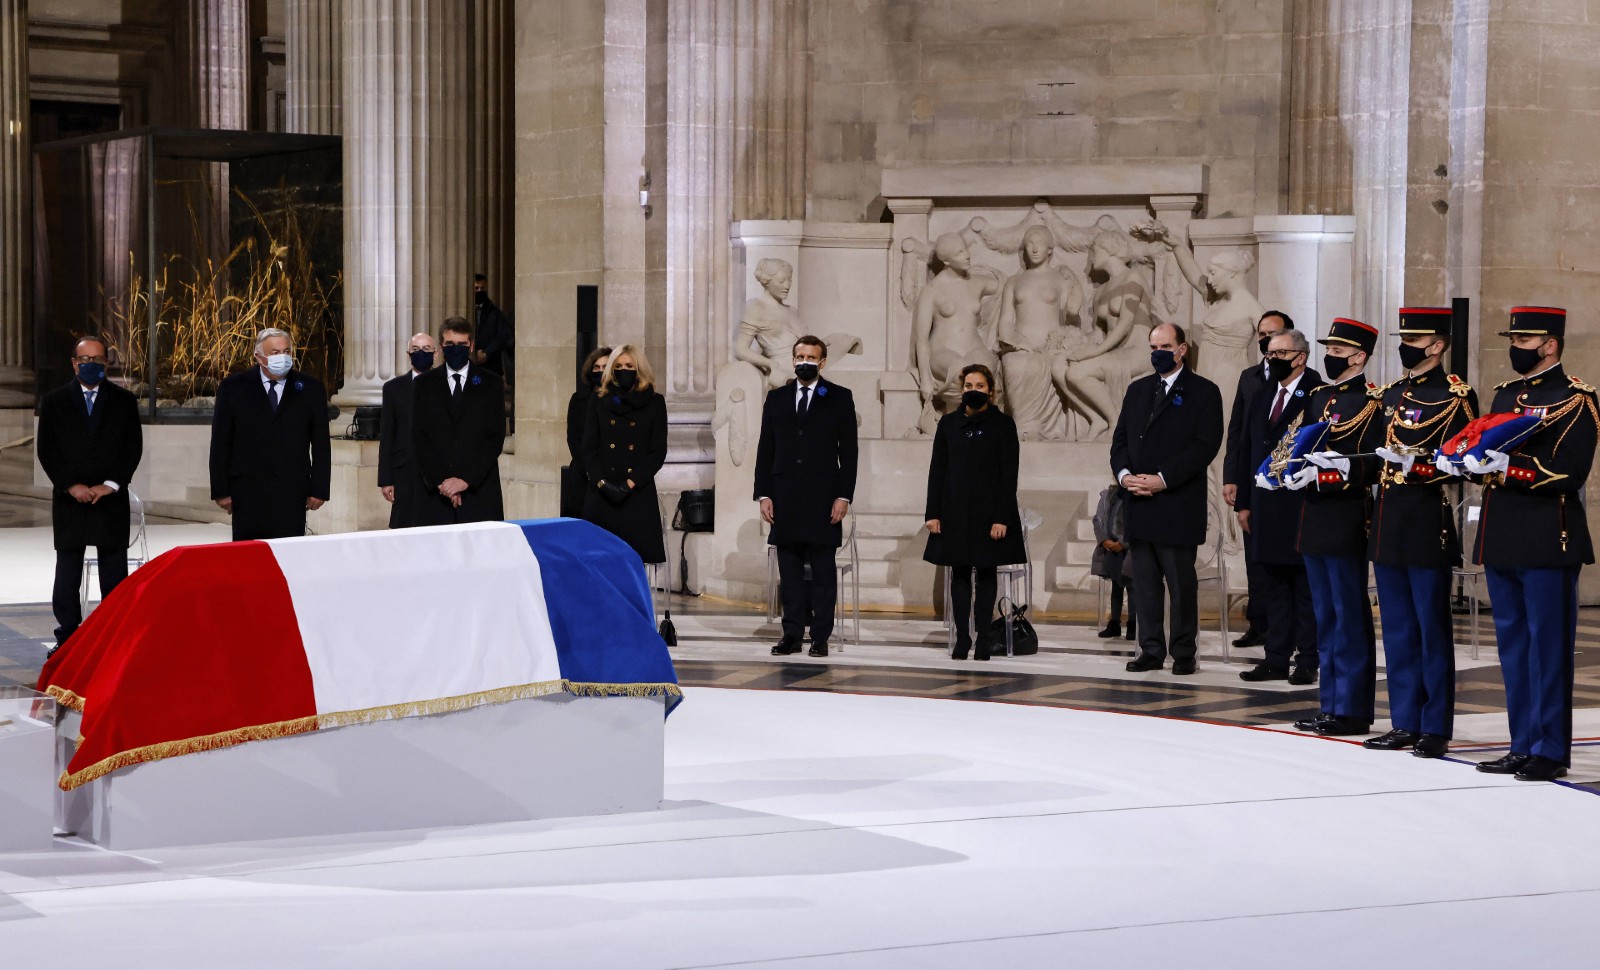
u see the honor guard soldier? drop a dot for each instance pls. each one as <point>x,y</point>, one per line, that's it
<point>1412,542</point>
<point>1533,538</point>
<point>1333,533</point>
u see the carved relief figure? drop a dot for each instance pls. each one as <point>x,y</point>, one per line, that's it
<point>1226,336</point>
<point>1036,306</point>
<point>769,327</point>
<point>1094,380</point>
<point>949,329</point>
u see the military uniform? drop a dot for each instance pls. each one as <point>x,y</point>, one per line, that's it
<point>1333,540</point>
<point>1533,538</point>
<point>1413,543</point>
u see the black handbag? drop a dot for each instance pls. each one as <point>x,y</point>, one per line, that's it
<point>696,512</point>
<point>1013,622</point>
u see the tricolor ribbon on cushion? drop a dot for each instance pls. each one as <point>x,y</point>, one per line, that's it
<point>211,646</point>
<point>1501,431</point>
<point>1290,455</point>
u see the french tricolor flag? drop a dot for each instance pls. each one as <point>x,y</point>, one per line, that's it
<point>210,646</point>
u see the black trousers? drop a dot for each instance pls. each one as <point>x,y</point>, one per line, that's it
<point>113,568</point>
<point>807,602</point>
<point>1255,604</point>
<point>1117,589</point>
<point>963,605</point>
<point>1158,568</point>
<point>1291,621</point>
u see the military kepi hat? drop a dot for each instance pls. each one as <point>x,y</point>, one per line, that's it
<point>1351,333</point>
<point>1418,320</point>
<point>1546,321</point>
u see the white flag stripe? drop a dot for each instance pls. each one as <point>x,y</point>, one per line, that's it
<point>418,614</point>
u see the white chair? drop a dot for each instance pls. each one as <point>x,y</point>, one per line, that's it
<point>1216,571</point>
<point>850,566</point>
<point>137,540</point>
<point>1470,576</point>
<point>1013,582</point>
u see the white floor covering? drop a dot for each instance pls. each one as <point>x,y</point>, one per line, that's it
<point>834,831</point>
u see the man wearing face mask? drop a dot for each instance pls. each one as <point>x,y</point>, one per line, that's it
<point>397,472</point>
<point>270,458</point>
<point>805,482</point>
<point>1270,517</point>
<point>89,442</point>
<point>1237,455</point>
<point>495,337</point>
<point>1169,430</point>
<point>458,430</point>
<point>1533,539</point>
<point>1412,542</point>
<point>1333,534</point>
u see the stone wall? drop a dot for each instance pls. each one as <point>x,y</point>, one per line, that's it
<point>907,82</point>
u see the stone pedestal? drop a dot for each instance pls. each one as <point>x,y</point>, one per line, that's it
<point>16,197</point>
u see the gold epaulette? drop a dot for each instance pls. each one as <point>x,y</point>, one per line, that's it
<point>1579,384</point>
<point>1376,392</point>
<point>1505,384</point>
<point>1458,387</point>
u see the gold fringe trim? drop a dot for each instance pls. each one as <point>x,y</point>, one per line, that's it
<point>66,698</point>
<point>303,725</point>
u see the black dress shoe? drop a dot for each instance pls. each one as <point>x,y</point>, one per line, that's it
<point>1539,768</point>
<point>1183,668</point>
<point>1395,740</point>
<point>1302,676</point>
<point>962,648</point>
<point>1311,723</point>
<point>818,649</point>
<point>785,647</point>
<point>1431,746</point>
<point>1251,638</point>
<point>1342,727</point>
<point>1142,663</point>
<point>1111,630</point>
<point>1262,672</point>
<point>1507,764</point>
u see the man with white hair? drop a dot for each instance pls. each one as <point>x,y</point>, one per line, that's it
<point>270,460</point>
<point>398,477</point>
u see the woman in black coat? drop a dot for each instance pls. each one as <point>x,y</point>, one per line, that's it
<point>973,520</point>
<point>624,445</point>
<point>573,482</point>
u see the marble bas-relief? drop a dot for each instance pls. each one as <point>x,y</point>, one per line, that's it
<point>1096,379</point>
<point>952,326</point>
<point>1037,333</point>
<point>769,327</point>
<point>1226,334</point>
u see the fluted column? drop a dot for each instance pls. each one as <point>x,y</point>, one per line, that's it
<point>491,147</point>
<point>215,35</point>
<point>16,194</point>
<point>314,62</point>
<point>405,176</point>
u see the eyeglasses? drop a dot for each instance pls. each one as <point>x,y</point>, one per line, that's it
<point>1283,354</point>
<point>89,360</point>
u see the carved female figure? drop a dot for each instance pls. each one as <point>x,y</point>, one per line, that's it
<point>1094,379</point>
<point>770,326</point>
<point>1035,307</point>
<point>947,329</point>
<point>1226,336</point>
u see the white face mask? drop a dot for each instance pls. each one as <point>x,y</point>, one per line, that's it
<point>279,364</point>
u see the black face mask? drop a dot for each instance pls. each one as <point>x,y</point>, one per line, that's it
<point>422,360</point>
<point>1334,367</point>
<point>1525,359</point>
<point>1262,343</point>
<point>594,377</point>
<point>975,400</point>
<point>457,355</point>
<point>1163,360</point>
<point>1280,369</point>
<point>807,372</point>
<point>1411,356</point>
<point>624,379</point>
<point>480,298</point>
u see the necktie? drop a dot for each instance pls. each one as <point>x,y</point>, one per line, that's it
<point>272,395</point>
<point>88,401</point>
<point>1277,405</point>
<point>805,401</point>
<point>458,384</point>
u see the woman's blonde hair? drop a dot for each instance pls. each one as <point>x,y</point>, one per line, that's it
<point>647,377</point>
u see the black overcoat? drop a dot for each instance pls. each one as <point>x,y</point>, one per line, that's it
<point>625,439</point>
<point>972,484</point>
<point>270,462</point>
<point>573,481</point>
<point>79,448</point>
<point>1274,535</point>
<point>805,465</point>
<point>459,437</point>
<point>1176,436</point>
<point>1236,455</point>
<point>396,465</point>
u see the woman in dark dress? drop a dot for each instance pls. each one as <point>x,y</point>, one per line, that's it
<point>973,521</point>
<point>573,482</point>
<point>624,445</point>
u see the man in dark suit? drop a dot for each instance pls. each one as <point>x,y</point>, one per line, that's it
<point>458,431</point>
<point>270,458</point>
<point>397,472</point>
<point>805,482</point>
<point>1169,430</point>
<point>1252,380</point>
<point>1270,517</point>
<point>495,338</point>
<point>89,442</point>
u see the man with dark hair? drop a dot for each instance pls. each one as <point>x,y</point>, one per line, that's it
<point>1169,430</point>
<point>1234,459</point>
<point>805,482</point>
<point>89,443</point>
<point>458,432</point>
<point>496,338</point>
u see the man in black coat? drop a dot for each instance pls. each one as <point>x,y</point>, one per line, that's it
<point>1169,430</point>
<point>270,458</point>
<point>495,337</point>
<point>1252,380</point>
<point>89,442</point>
<point>1270,517</point>
<point>397,471</point>
<point>805,482</point>
<point>458,432</point>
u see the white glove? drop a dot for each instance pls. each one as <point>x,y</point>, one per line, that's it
<point>1300,479</point>
<point>1330,459</point>
<point>1404,461</point>
<point>1445,465</point>
<point>1263,483</point>
<point>1498,461</point>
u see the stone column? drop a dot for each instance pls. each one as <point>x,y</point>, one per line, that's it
<point>314,60</point>
<point>405,180</point>
<point>490,142</point>
<point>215,51</point>
<point>16,222</point>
